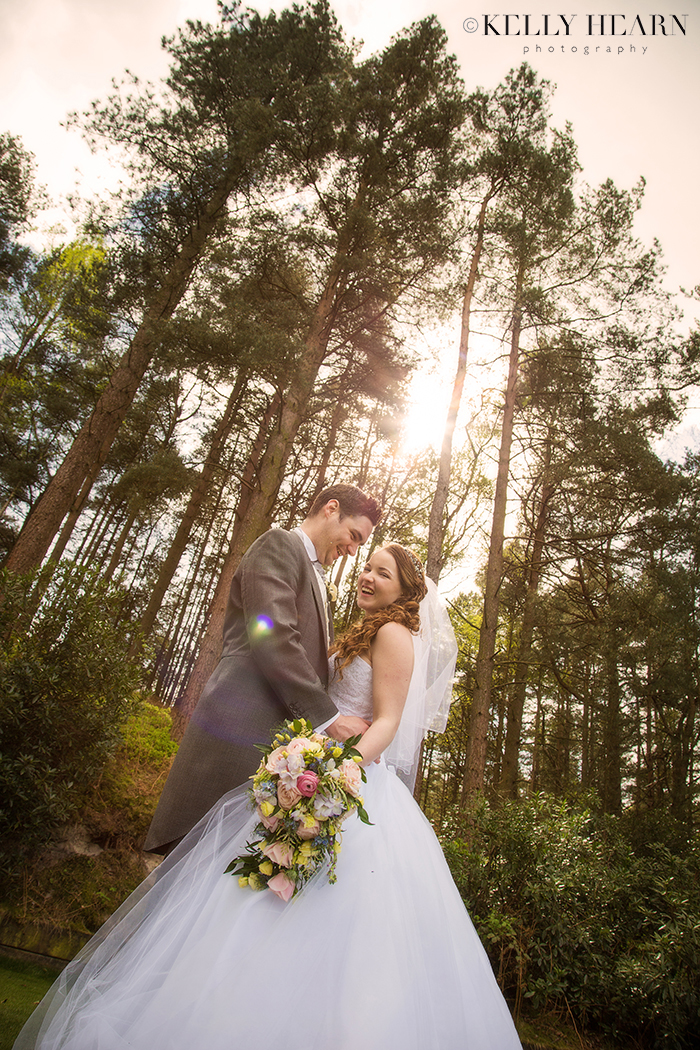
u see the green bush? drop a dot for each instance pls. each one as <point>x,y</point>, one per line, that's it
<point>77,893</point>
<point>576,919</point>
<point>120,807</point>
<point>146,737</point>
<point>66,688</point>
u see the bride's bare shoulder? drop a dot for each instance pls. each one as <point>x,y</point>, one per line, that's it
<point>392,652</point>
<point>393,637</point>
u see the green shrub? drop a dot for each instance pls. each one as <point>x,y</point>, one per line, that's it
<point>146,737</point>
<point>122,802</point>
<point>77,893</point>
<point>66,688</point>
<point>575,919</point>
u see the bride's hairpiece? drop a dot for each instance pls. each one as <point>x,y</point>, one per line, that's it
<point>415,562</point>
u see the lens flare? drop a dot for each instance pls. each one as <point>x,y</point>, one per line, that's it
<point>260,626</point>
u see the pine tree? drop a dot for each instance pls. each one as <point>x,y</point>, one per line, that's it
<point>215,134</point>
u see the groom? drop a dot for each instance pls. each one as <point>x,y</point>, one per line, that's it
<point>274,662</point>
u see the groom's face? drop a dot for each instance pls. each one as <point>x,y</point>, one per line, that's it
<point>340,534</point>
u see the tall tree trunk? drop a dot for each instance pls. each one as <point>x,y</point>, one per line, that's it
<point>101,523</point>
<point>92,527</point>
<point>612,740</point>
<point>129,607</point>
<point>94,441</point>
<point>682,748</point>
<point>184,530</point>
<point>483,686</point>
<point>98,557</point>
<point>72,519</point>
<point>119,545</point>
<point>436,527</point>
<point>340,413</point>
<point>586,720</point>
<point>537,743</point>
<point>210,646</point>
<point>502,705</point>
<point>183,601</point>
<point>511,752</point>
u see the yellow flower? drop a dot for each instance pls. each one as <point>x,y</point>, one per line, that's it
<point>267,808</point>
<point>255,882</point>
<point>357,758</point>
<point>337,752</point>
<point>243,880</point>
<point>266,867</point>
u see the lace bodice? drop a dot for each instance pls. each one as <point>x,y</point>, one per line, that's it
<point>352,694</point>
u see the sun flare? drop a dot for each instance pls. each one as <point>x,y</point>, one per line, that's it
<point>432,384</point>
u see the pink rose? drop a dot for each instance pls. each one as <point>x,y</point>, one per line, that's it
<point>279,853</point>
<point>297,745</point>
<point>351,777</point>
<point>269,822</point>
<point>287,796</point>
<point>308,831</point>
<point>281,886</point>
<point>307,783</point>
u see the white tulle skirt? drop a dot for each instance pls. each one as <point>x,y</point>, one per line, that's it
<point>386,957</point>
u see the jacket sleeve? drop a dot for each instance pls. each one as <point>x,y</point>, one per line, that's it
<point>281,616</point>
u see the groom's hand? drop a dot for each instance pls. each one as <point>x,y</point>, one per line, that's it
<point>346,726</point>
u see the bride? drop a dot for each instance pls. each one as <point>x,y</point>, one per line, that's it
<point>385,957</point>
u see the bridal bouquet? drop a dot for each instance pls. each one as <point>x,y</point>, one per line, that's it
<point>304,788</point>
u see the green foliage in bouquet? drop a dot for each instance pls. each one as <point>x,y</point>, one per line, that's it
<point>583,914</point>
<point>66,688</point>
<point>304,788</point>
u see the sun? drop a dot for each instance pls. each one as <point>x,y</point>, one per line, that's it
<point>432,383</point>
<point>424,423</point>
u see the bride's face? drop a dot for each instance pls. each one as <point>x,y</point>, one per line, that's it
<point>378,585</point>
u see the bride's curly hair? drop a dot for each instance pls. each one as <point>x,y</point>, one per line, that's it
<point>357,639</point>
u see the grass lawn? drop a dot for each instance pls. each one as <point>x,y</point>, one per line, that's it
<point>22,985</point>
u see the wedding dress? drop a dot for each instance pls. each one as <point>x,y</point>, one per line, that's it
<point>386,957</point>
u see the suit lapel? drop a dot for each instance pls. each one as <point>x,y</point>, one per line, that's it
<point>318,589</point>
<point>322,605</point>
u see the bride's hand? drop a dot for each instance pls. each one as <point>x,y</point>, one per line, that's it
<point>346,726</point>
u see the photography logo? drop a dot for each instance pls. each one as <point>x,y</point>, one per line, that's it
<point>611,25</point>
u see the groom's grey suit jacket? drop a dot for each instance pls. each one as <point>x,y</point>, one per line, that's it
<point>274,665</point>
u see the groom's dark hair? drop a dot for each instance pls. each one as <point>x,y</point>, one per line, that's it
<point>351,500</point>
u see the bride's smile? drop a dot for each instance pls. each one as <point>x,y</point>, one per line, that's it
<point>379,584</point>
